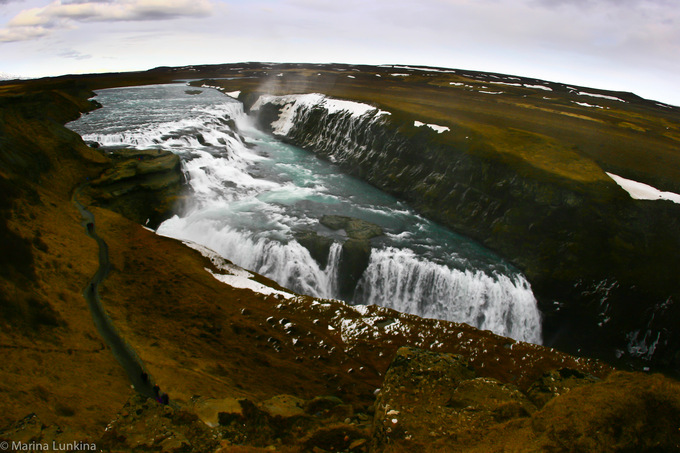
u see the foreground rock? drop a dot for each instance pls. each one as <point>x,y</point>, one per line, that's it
<point>436,402</point>
<point>142,185</point>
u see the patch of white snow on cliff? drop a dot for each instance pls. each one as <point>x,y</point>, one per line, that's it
<point>435,127</point>
<point>641,191</point>
<point>235,276</point>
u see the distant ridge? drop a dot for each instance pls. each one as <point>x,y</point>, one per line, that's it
<point>6,76</point>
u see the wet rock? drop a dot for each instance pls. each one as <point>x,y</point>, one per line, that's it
<point>355,228</point>
<point>353,262</point>
<point>356,250</point>
<point>318,246</point>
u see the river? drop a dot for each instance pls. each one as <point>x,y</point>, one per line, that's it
<point>251,194</point>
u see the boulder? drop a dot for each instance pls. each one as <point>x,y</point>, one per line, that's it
<point>209,409</point>
<point>433,401</point>
<point>356,250</point>
<point>625,412</point>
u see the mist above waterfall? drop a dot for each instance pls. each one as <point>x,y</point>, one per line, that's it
<point>251,195</point>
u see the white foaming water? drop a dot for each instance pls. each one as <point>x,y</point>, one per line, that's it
<point>251,194</point>
<point>400,280</point>
<point>289,264</point>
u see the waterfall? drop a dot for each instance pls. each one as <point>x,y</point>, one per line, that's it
<point>251,195</point>
<point>398,279</point>
<point>286,262</point>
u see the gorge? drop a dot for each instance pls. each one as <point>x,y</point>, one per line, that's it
<point>251,196</point>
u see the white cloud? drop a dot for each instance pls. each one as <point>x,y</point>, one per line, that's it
<point>36,22</point>
<point>22,33</point>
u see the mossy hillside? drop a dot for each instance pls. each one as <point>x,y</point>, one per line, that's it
<point>54,360</point>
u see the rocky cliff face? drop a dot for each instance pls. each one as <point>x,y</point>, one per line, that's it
<point>596,258</point>
<point>144,186</point>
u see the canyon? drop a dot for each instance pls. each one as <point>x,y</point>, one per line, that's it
<point>270,369</point>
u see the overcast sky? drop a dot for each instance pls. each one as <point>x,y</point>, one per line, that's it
<point>630,45</point>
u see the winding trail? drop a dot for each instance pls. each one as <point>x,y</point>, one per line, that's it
<point>122,351</point>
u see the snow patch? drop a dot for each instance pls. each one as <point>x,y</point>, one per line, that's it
<point>603,96</point>
<point>235,276</point>
<point>238,281</point>
<point>506,83</point>
<point>415,68</point>
<point>538,87</point>
<point>641,191</point>
<point>435,127</point>
<point>585,104</point>
<point>233,94</point>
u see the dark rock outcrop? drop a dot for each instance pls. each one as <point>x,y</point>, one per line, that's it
<point>142,185</point>
<point>356,251</point>
<point>355,228</point>
<point>318,246</point>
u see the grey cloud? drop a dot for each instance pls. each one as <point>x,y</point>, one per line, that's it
<point>75,55</point>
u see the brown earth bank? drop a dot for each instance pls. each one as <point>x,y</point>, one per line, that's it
<point>247,371</point>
